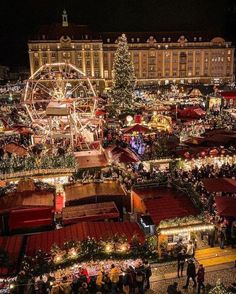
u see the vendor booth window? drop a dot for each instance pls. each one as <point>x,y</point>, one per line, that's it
<point>185,236</point>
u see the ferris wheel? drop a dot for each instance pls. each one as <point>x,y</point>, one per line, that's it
<point>61,103</point>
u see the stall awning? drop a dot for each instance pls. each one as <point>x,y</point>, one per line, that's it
<point>79,232</point>
<point>228,94</point>
<point>220,185</point>
<point>226,206</point>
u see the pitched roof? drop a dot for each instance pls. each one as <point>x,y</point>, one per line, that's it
<point>79,232</point>
<point>27,199</point>
<point>166,203</point>
<point>226,206</point>
<point>90,212</point>
<point>80,191</point>
<point>12,246</point>
<point>220,185</point>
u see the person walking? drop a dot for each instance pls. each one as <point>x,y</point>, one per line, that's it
<point>100,279</point>
<point>148,274</point>
<point>190,249</point>
<point>222,238</point>
<point>180,261</point>
<point>127,281</point>
<point>140,278</point>
<point>200,278</point>
<point>65,286</point>
<point>191,273</point>
<point>114,278</point>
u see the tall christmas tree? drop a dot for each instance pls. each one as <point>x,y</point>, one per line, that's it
<point>123,77</point>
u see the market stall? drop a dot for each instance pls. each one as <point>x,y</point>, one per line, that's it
<point>170,231</point>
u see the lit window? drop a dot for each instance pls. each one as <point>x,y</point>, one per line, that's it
<point>200,39</point>
<point>169,39</point>
<point>106,74</point>
<point>108,40</point>
<point>132,40</point>
<point>163,39</point>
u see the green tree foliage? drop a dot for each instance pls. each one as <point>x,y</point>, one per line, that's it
<point>123,80</point>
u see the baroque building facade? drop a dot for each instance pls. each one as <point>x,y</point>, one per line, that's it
<point>158,57</point>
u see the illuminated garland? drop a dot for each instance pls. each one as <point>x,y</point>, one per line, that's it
<point>185,224</point>
<point>184,221</point>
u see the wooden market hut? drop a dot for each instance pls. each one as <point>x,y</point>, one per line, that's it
<point>172,212</point>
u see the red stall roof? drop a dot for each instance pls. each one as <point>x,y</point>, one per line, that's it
<point>136,128</point>
<point>12,245</point>
<point>89,212</point>
<point>167,204</point>
<point>79,191</point>
<point>220,185</point>
<point>228,94</point>
<point>79,232</point>
<point>226,206</point>
<point>30,218</point>
<point>26,199</point>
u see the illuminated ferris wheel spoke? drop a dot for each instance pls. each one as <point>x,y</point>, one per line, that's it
<point>57,117</point>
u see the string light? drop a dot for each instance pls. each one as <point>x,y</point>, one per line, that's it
<point>187,229</point>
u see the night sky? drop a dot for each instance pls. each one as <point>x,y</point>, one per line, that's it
<point>21,18</point>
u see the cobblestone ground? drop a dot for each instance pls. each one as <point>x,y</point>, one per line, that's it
<point>159,285</point>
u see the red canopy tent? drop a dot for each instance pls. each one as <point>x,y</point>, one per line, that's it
<point>136,128</point>
<point>228,94</point>
<point>191,113</point>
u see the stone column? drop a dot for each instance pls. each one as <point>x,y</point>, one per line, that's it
<point>83,61</point>
<point>92,61</point>
<point>101,63</point>
<point>31,60</point>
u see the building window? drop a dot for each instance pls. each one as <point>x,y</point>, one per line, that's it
<point>138,39</point>
<point>108,40</point>
<point>132,40</point>
<point>106,74</point>
<point>97,74</point>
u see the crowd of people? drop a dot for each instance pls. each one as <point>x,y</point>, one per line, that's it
<point>113,280</point>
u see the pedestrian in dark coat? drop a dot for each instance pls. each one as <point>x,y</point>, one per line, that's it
<point>200,278</point>
<point>181,260</point>
<point>191,273</point>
